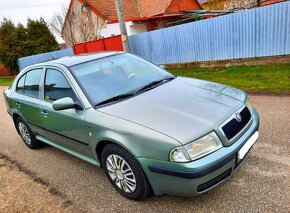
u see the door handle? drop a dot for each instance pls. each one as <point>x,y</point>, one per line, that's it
<point>44,113</point>
<point>18,104</point>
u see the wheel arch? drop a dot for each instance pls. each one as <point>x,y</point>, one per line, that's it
<point>15,116</point>
<point>99,149</point>
<point>101,145</point>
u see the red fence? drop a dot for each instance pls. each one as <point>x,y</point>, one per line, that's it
<point>107,44</point>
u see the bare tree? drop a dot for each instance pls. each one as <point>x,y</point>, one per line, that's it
<point>100,23</point>
<point>214,5</point>
<point>76,26</point>
<point>58,21</point>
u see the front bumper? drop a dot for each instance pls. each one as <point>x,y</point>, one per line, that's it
<point>196,177</point>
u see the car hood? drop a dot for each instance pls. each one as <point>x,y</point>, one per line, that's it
<point>184,108</point>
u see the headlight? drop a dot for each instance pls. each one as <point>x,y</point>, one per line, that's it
<point>179,155</point>
<point>196,149</point>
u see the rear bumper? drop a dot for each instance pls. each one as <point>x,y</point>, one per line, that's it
<point>193,178</point>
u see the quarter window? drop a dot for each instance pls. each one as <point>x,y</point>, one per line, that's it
<point>56,86</point>
<point>28,84</point>
<point>20,84</point>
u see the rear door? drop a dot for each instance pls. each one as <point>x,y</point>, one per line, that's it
<point>26,98</point>
<point>64,127</point>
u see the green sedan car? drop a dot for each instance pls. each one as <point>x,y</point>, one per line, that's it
<point>149,130</point>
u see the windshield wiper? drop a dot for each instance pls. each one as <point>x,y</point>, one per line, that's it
<point>115,98</point>
<point>128,95</point>
<point>154,83</point>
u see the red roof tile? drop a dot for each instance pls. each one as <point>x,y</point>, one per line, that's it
<point>267,2</point>
<point>153,7</point>
<point>108,8</point>
<point>138,8</point>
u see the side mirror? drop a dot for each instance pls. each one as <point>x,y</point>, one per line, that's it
<point>63,103</point>
<point>162,66</point>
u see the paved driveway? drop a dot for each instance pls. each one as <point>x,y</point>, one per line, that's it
<point>261,184</point>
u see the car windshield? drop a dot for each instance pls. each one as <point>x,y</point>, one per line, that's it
<point>117,76</point>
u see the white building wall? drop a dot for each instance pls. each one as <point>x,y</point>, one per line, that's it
<point>136,28</point>
<point>132,28</point>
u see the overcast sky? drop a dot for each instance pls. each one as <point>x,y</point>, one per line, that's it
<point>19,10</point>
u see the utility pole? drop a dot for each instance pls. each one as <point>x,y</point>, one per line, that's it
<point>122,25</point>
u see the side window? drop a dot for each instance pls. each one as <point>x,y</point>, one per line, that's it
<point>56,86</point>
<point>28,84</point>
<point>20,84</point>
<point>32,83</point>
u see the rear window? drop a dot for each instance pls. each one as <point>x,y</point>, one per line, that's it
<point>28,84</point>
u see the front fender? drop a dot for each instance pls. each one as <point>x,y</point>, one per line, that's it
<point>140,141</point>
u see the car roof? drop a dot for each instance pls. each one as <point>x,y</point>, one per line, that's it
<point>78,59</point>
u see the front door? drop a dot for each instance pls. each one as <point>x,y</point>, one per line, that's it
<point>63,127</point>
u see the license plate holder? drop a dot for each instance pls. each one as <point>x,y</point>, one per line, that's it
<point>247,146</point>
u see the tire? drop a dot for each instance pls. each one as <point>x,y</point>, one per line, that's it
<point>26,134</point>
<point>120,176</point>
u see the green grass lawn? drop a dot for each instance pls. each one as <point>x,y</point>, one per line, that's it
<point>6,81</point>
<point>261,79</point>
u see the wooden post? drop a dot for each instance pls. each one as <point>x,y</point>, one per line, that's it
<point>122,25</point>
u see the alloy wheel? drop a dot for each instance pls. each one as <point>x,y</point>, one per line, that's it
<point>121,173</point>
<point>24,133</point>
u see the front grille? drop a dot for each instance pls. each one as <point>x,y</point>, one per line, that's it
<point>233,127</point>
<point>214,181</point>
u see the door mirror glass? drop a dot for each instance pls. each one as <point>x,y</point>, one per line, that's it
<point>63,103</point>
